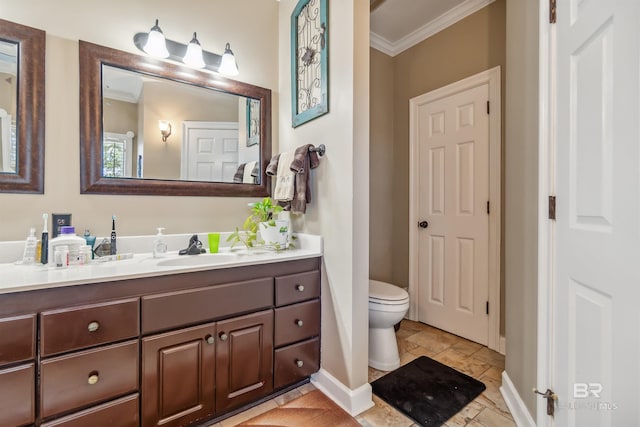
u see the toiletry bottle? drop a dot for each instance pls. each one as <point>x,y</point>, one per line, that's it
<point>44,243</point>
<point>67,237</point>
<point>91,241</point>
<point>159,245</point>
<point>113,235</point>
<point>30,248</point>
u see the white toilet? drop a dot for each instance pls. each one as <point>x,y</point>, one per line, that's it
<point>387,306</point>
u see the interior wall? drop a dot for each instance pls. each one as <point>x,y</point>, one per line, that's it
<point>381,229</point>
<point>254,40</point>
<point>474,44</point>
<point>521,198</point>
<point>339,210</point>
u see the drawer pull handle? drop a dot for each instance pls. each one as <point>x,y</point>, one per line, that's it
<point>210,339</point>
<point>93,378</point>
<point>93,326</point>
<point>299,322</point>
<point>299,363</point>
<point>300,288</point>
<point>223,336</point>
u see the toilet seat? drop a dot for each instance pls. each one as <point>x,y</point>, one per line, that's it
<point>386,294</point>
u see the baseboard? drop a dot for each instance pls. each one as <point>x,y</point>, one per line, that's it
<point>502,345</point>
<point>353,401</point>
<point>518,409</point>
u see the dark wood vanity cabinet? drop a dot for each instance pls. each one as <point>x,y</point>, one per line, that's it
<point>173,350</point>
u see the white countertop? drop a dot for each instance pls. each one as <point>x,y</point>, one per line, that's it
<point>16,277</point>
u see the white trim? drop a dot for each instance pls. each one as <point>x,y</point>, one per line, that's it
<point>546,187</point>
<point>432,27</point>
<point>353,401</point>
<point>518,409</point>
<point>492,77</point>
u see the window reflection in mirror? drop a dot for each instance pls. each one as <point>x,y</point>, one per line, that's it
<point>214,135</point>
<point>8,106</point>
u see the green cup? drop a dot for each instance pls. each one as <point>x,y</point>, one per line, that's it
<point>214,241</point>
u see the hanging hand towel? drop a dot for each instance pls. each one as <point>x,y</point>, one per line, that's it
<point>237,177</point>
<point>247,178</point>
<point>285,178</point>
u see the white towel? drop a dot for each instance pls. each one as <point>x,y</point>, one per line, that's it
<point>285,177</point>
<point>247,178</point>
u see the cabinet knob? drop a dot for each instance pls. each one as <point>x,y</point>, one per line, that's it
<point>300,288</point>
<point>93,326</point>
<point>93,378</point>
<point>223,336</point>
<point>299,322</point>
<point>299,363</point>
<point>210,339</point>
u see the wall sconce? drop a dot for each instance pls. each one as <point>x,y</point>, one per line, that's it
<point>155,44</point>
<point>165,129</point>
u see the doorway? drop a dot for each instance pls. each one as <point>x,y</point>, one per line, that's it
<point>454,235</point>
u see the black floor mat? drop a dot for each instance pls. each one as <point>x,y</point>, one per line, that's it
<point>427,391</point>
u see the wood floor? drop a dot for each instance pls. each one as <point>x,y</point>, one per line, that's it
<point>303,407</point>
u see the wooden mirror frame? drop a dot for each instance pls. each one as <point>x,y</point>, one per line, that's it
<point>92,58</point>
<point>30,109</point>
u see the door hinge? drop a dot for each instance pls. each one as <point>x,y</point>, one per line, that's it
<point>488,209</point>
<point>488,108</point>
<point>552,207</point>
<point>487,307</point>
<point>552,11</point>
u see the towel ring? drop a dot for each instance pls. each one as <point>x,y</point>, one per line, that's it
<point>320,149</point>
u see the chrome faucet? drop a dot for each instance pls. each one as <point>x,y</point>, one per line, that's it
<point>194,248</point>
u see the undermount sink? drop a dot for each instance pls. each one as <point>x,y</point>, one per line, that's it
<point>193,260</point>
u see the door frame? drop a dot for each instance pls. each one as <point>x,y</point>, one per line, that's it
<point>492,78</point>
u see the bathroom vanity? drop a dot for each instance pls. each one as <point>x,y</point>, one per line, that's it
<point>174,346</point>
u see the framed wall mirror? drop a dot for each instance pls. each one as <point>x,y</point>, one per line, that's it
<point>160,128</point>
<point>22,58</point>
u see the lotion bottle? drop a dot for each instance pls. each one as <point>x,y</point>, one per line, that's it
<point>30,248</point>
<point>159,245</point>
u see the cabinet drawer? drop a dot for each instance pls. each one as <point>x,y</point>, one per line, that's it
<point>17,338</point>
<point>119,413</point>
<point>297,322</point>
<point>86,326</point>
<point>296,362</point>
<point>80,379</point>
<point>169,310</point>
<point>17,395</point>
<point>297,287</point>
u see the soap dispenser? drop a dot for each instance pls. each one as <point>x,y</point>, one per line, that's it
<point>159,245</point>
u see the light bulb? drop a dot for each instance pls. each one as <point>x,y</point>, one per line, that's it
<point>193,57</point>
<point>228,65</point>
<point>156,44</point>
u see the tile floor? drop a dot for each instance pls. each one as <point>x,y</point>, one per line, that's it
<point>414,340</point>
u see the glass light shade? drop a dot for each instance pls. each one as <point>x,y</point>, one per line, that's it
<point>193,57</point>
<point>228,65</point>
<point>156,45</point>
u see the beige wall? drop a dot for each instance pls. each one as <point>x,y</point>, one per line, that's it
<point>521,196</point>
<point>254,39</point>
<point>340,185</point>
<point>474,44</point>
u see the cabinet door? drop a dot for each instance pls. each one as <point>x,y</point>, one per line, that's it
<point>17,395</point>
<point>244,365</point>
<point>178,376</point>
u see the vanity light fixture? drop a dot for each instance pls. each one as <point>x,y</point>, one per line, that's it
<point>193,57</point>
<point>155,44</point>
<point>165,129</point>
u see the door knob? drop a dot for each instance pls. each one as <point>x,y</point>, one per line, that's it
<point>423,224</point>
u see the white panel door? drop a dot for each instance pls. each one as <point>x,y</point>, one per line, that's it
<point>453,175</point>
<point>596,283</point>
<point>210,151</point>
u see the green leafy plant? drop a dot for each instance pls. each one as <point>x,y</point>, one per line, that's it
<point>263,211</point>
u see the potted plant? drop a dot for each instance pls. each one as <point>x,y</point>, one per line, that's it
<point>273,232</point>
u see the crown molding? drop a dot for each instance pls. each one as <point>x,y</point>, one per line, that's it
<point>429,29</point>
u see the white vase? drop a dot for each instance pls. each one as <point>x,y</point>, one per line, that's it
<point>275,235</point>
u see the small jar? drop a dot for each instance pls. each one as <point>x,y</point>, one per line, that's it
<point>61,256</point>
<point>84,256</point>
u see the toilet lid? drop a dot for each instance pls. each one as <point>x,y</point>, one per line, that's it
<point>386,292</point>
